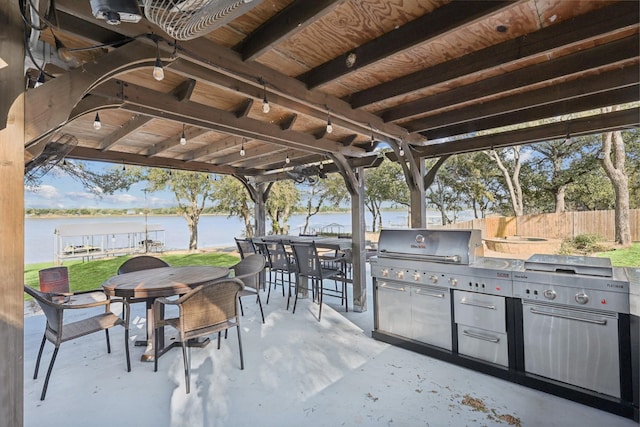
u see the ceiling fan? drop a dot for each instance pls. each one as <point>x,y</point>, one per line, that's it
<point>180,19</point>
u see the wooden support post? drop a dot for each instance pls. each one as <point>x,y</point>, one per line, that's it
<point>12,218</point>
<point>359,259</point>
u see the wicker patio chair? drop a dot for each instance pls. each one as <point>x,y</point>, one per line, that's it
<point>248,271</point>
<point>57,331</point>
<point>311,268</point>
<point>205,310</point>
<point>245,247</point>
<point>142,262</point>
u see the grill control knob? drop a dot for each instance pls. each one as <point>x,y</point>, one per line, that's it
<point>400,274</point>
<point>550,294</point>
<point>433,278</point>
<point>582,298</point>
<point>385,272</point>
<point>453,281</point>
<point>416,276</point>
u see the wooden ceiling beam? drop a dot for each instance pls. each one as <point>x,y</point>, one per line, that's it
<point>85,153</point>
<point>614,17</point>
<point>161,105</point>
<point>212,148</point>
<point>225,61</point>
<point>418,31</point>
<point>252,155</point>
<point>288,22</point>
<point>576,88</point>
<point>563,107</point>
<point>182,92</point>
<point>173,140</point>
<point>621,50</point>
<point>617,120</point>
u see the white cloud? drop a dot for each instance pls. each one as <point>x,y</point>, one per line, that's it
<point>48,192</point>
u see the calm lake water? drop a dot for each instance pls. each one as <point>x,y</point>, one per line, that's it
<point>213,230</point>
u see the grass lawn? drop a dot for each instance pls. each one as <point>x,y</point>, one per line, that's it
<point>628,257</point>
<point>91,274</point>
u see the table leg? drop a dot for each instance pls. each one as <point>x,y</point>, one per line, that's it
<point>148,355</point>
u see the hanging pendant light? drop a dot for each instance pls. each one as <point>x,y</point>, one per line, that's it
<point>183,138</point>
<point>329,125</point>
<point>265,102</point>
<point>287,160</point>
<point>158,71</point>
<point>97,124</point>
<point>242,152</point>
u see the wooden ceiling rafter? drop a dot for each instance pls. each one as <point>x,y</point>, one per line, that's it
<point>619,78</point>
<point>418,31</point>
<point>579,62</point>
<point>617,17</point>
<point>286,23</point>
<point>605,122</point>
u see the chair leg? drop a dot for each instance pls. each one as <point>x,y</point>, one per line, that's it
<point>320,293</point>
<point>35,373</point>
<point>219,338</point>
<point>46,380</point>
<point>260,305</point>
<point>268,294</point>
<point>240,347</point>
<point>106,331</point>
<point>297,291</point>
<point>241,309</point>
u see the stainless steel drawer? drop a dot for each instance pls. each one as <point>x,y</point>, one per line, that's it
<point>394,307</point>
<point>478,310</point>
<point>485,345</point>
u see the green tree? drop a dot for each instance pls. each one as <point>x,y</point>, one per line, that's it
<point>231,196</point>
<point>384,183</point>
<point>330,189</point>
<point>283,197</point>
<point>191,190</point>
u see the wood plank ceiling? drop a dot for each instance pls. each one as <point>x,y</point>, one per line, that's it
<point>427,75</point>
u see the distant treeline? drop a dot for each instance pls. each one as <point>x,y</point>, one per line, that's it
<point>33,212</point>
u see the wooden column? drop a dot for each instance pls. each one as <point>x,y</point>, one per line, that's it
<point>418,217</point>
<point>359,249</point>
<point>12,217</point>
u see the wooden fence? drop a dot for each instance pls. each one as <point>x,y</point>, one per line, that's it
<point>553,226</point>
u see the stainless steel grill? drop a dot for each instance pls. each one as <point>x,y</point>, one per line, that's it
<point>571,308</point>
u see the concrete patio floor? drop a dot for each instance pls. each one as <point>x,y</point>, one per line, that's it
<point>298,372</point>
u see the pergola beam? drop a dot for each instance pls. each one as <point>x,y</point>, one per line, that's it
<point>577,127</point>
<point>616,17</point>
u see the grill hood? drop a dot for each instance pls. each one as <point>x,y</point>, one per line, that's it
<point>447,246</point>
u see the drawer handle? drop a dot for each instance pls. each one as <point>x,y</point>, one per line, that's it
<point>392,288</point>
<point>429,294</point>
<point>566,316</point>
<point>475,304</point>
<point>481,337</point>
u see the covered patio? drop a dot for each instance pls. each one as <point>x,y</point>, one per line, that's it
<point>281,86</point>
<point>298,372</point>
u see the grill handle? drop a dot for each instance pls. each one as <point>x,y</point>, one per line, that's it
<point>429,294</point>
<point>566,316</point>
<point>385,285</point>
<point>434,258</point>
<point>481,337</point>
<point>475,304</point>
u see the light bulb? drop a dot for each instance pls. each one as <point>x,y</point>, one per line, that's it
<point>183,140</point>
<point>329,126</point>
<point>242,152</point>
<point>287,160</point>
<point>158,72</point>
<point>321,166</point>
<point>401,152</point>
<point>97,124</point>
<point>265,106</point>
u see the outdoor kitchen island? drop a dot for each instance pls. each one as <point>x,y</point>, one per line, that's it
<point>559,324</point>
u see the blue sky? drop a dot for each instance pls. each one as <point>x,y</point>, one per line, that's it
<point>62,192</point>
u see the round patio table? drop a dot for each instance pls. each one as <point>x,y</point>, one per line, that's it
<point>160,282</point>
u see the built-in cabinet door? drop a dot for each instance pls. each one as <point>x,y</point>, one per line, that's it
<point>394,308</point>
<point>431,316</point>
